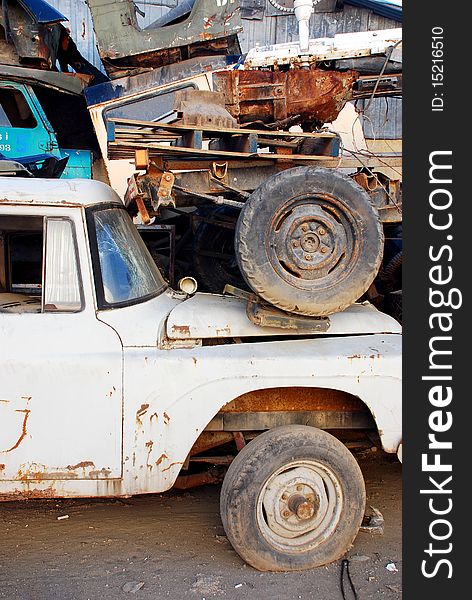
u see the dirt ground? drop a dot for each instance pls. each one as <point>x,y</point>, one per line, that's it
<point>173,545</point>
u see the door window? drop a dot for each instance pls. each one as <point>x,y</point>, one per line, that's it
<point>39,269</point>
<point>62,289</point>
<point>14,110</point>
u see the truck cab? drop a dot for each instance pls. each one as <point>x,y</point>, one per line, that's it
<point>26,133</point>
<point>114,384</point>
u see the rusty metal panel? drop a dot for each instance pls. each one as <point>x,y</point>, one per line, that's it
<point>295,399</point>
<point>122,43</point>
<point>279,28</point>
<point>314,94</point>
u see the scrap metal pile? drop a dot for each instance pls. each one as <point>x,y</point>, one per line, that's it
<point>236,160</point>
<point>307,241</point>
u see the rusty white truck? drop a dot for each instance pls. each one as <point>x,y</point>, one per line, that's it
<point>113,384</point>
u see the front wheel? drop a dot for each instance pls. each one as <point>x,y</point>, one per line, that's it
<point>292,499</point>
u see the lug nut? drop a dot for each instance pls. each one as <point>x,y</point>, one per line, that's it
<point>284,496</point>
<point>299,488</point>
<point>304,227</point>
<point>323,250</point>
<point>307,257</point>
<point>295,243</point>
<point>286,514</point>
<point>321,231</point>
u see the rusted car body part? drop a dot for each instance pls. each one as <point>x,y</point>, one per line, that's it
<point>264,409</point>
<point>186,482</point>
<point>33,30</point>
<point>313,95</point>
<point>36,37</point>
<point>385,193</point>
<point>209,28</point>
<point>264,315</point>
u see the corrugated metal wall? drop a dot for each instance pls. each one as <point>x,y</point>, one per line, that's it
<point>80,25</point>
<point>384,117</point>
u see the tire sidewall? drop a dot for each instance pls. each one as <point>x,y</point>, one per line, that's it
<point>255,222</point>
<point>254,466</point>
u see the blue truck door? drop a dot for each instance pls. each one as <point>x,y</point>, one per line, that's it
<point>24,129</point>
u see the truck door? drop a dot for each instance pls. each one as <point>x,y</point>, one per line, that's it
<point>60,367</point>
<point>23,129</point>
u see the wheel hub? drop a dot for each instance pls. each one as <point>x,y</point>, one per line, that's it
<point>304,508</point>
<point>297,502</point>
<point>308,241</point>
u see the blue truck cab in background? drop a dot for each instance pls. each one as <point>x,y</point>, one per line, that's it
<point>25,131</point>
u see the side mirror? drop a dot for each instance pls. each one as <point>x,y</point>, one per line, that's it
<point>188,285</point>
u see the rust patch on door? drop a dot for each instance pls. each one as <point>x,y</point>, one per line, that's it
<point>172,464</point>
<point>49,492</point>
<point>140,412</point>
<point>183,329</point>
<point>80,465</point>
<point>42,475</point>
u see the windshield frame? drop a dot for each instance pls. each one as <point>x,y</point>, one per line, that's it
<point>102,304</point>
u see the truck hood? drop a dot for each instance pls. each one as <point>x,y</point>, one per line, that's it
<point>217,316</point>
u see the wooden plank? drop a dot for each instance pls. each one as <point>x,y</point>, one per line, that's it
<point>219,132</point>
<point>190,152</point>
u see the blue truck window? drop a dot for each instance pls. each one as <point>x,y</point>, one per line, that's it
<point>14,110</point>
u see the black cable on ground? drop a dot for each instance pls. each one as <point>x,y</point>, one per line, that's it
<point>345,569</point>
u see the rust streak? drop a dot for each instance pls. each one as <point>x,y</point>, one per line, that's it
<point>23,429</point>
<point>166,418</point>
<point>141,412</point>
<point>161,458</point>
<point>100,473</point>
<point>171,465</point>
<point>149,446</point>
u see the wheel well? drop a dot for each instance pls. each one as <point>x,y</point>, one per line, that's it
<point>263,409</point>
<point>295,399</point>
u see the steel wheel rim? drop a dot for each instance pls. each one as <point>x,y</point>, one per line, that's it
<point>313,240</point>
<point>295,533</point>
